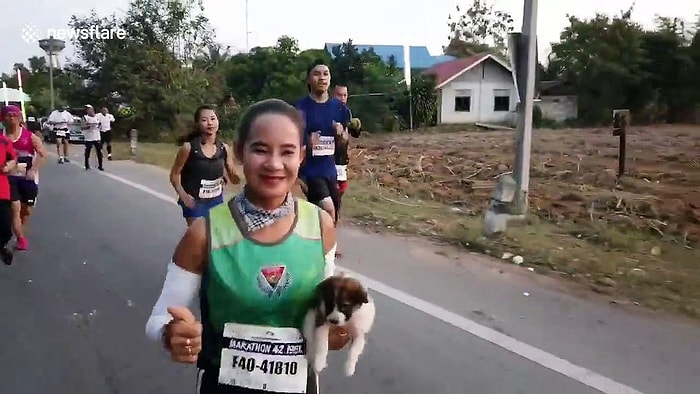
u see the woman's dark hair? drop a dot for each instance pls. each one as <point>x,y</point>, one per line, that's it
<point>264,107</point>
<point>196,132</point>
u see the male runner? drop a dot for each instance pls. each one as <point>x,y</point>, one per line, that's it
<point>341,146</point>
<point>91,131</point>
<point>106,119</point>
<point>60,119</point>
<point>24,178</point>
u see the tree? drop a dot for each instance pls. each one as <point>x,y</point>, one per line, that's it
<point>480,29</point>
<point>153,68</point>
<point>604,60</point>
<point>670,69</point>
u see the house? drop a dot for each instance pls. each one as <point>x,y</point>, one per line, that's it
<point>557,100</point>
<point>473,89</point>
<point>421,59</point>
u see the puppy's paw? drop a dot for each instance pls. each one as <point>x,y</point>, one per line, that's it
<point>349,368</point>
<point>319,364</point>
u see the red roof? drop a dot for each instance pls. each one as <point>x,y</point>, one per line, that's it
<point>447,70</point>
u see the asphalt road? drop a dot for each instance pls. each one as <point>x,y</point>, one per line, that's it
<point>75,305</point>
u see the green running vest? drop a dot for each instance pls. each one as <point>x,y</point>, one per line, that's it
<point>250,282</point>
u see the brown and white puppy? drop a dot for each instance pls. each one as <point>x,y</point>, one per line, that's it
<point>339,301</point>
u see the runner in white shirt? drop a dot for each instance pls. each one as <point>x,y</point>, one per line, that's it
<point>60,120</point>
<point>106,120</point>
<point>91,131</point>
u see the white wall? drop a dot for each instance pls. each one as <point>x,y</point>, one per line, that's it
<point>558,108</point>
<point>482,81</point>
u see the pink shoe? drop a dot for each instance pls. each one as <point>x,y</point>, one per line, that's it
<point>22,244</point>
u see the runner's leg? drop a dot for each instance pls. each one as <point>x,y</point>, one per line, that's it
<point>5,231</point>
<point>29,191</point>
<point>320,194</point>
<point>66,141</point>
<point>98,151</point>
<point>107,140</point>
<point>15,209</point>
<point>88,148</point>
<point>59,144</point>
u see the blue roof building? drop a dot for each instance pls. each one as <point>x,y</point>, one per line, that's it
<point>420,57</point>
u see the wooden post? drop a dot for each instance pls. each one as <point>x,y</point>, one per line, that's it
<point>133,141</point>
<point>620,122</point>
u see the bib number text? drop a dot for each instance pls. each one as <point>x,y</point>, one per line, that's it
<point>264,358</point>
<point>324,146</point>
<point>210,189</point>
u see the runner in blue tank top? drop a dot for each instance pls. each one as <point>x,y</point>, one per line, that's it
<point>326,120</point>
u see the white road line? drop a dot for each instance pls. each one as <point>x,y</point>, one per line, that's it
<point>547,360</point>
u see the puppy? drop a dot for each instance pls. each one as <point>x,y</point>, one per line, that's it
<point>339,301</point>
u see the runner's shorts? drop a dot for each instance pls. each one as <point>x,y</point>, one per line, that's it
<point>62,135</point>
<point>202,207</point>
<point>208,383</point>
<point>106,137</point>
<point>320,188</point>
<point>23,190</point>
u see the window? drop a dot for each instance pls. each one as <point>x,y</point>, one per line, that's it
<point>463,100</point>
<point>501,100</point>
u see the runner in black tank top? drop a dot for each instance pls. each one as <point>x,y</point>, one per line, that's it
<point>198,172</point>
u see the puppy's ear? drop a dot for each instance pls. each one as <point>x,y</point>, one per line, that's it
<point>361,296</point>
<point>365,297</point>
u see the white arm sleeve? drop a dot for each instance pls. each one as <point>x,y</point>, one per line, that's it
<point>181,288</point>
<point>330,262</point>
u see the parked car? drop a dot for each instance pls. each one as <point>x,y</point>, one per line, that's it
<point>75,131</point>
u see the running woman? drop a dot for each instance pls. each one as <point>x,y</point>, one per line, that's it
<point>60,119</point>
<point>24,178</point>
<point>252,265</point>
<point>197,175</point>
<point>93,139</point>
<point>342,158</point>
<point>325,118</point>
<point>106,119</point>
<point>8,160</point>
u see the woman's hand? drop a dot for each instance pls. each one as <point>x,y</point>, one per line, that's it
<point>338,337</point>
<point>183,335</point>
<point>340,131</point>
<point>188,201</point>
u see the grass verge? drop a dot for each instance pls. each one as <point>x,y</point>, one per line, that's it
<point>627,264</point>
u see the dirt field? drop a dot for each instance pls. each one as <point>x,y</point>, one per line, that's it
<point>573,174</point>
<point>635,242</point>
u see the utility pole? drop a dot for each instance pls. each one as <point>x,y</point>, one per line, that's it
<point>509,199</point>
<point>247,30</point>
<point>527,67</point>
<point>52,47</point>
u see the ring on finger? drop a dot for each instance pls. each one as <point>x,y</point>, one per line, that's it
<point>189,350</point>
<point>187,342</point>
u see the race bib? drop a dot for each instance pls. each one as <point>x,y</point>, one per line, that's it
<point>342,172</point>
<point>263,358</point>
<point>61,133</point>
<point>210,189</point>
<point>325,146</point>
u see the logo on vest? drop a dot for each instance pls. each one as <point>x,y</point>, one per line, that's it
<point>273,280</point>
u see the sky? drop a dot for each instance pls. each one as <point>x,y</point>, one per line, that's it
<point>314,23</point>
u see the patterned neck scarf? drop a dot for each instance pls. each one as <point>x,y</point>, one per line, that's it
<point>257,218</point>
